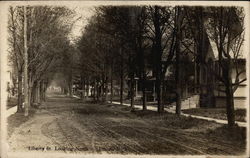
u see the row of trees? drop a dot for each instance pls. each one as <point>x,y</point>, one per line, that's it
<point>38,43</point>
<point>124,42</point>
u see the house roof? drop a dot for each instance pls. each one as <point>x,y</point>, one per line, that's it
<point>215,53</point>
<point>236,28</point>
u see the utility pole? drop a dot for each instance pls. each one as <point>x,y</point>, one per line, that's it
<point>26,99</point>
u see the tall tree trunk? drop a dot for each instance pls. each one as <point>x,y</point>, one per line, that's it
<point>210,85</point>
<point>83,89</point>
<point>111,84</point>
<point>41,93</point>
<point>106,88</point>
<point>38,92</point>
<point>163,93</point>
<point>158,51</point>
<point>87,88</point>
<point>30,96</point>
<point>230,106</point>
<point>44,90</point>
<point>33,94</point>
<point>132,82</point>
<point>178,81</point>
<point>94,90</point>
<point>41,90</point>
<point>30,92</point>
<point>121,87</point>
<point>202,55</point>
<point>70,89</point>
<point>19,93</point>
<point>142,74</point>
<point>97,92</point>
<point>103,88</point>
<point>121,78</point>
<point>159,92</point>
<point>229,95</point>
<point>144,97</point>
<point>26,86</point>
<point>178,68</point>
<point>132,92</point>
<point>65,91</point>
<point>70,84</point>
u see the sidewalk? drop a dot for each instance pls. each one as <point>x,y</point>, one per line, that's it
<point>75,96</point>
<point>153,108</point>
<point>11,111</point>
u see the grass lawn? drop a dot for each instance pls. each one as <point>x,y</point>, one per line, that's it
<point>217,113</point>
<point>207,136</point>
<point>17,119</point>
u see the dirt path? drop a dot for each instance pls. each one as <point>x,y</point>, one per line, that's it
<point>65,124</point>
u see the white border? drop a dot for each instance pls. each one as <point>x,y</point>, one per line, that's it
<point>3,34</point>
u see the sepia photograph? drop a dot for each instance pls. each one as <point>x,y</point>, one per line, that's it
<point>124,79</point>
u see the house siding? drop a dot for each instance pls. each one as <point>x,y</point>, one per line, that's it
<point>239,102</point>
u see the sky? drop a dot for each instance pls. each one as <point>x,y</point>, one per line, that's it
<point>83,14</point>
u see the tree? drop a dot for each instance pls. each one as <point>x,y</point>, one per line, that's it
<point>26,88</point>
<point>114,24</point>
<point>140,31</point>
<point>178,23</point>
<point>95,58</point>
<point>46,26</point>
<point>163,45</point>
<point>16,53</point>
<point>196,17</point>
<point>226,29</point>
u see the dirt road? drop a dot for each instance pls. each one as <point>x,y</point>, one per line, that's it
<point>64,124</point>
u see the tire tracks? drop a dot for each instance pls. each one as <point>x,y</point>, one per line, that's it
<point>123,137</point>
<point>167,140</point>
<point>179,136</point>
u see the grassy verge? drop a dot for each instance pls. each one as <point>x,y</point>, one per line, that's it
<point>17,120</point>
<point>217,113</point>
<point>173,121</point>
<point>207,136</point>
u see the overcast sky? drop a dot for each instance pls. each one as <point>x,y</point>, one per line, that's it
<point>82,14</point>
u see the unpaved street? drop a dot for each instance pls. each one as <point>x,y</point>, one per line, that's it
<point>64,124</point>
